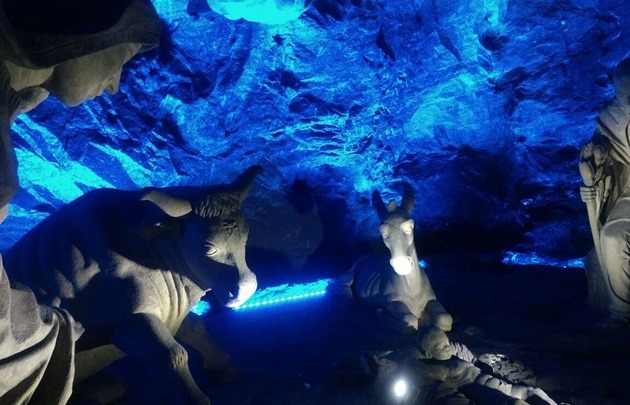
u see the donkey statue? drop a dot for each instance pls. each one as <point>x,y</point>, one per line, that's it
<point>396,286</point>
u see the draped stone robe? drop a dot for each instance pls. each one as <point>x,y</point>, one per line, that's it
<point>36,348</point>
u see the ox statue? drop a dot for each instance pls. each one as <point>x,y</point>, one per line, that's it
<point>130,264</point>
<point>396,286</point>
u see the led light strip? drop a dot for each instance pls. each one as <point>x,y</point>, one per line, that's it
<point>281,294</point>
<point>279,300</point>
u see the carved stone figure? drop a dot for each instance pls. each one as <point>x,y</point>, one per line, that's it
<point>73,50</point>
<point>129,265</point>
<point>396,286</point>
<point>605,169</point>
<point>455,375</point>
<point>74,62</point>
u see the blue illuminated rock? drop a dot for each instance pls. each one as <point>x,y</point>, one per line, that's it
<point>262,11</point>
<point>481,105</point>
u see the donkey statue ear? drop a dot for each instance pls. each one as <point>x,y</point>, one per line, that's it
<point>391,206</point>
<point>379,205</point>
<point>408,199</point>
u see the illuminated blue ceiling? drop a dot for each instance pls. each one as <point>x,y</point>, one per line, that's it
<point>481,105</point>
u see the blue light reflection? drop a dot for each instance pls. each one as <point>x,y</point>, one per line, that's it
<point>284,293</point>
<point>526,259</point>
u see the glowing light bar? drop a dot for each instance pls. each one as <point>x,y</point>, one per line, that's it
<point>286,293</point>
<point>280,300</point>
<point>282,294</point>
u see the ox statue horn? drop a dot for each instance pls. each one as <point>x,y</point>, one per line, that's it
<point>178,207</point>
<point>172,206</point>
<point>243,183</point>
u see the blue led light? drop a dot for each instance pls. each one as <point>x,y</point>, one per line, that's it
<point>201,308</point>
<point>286,293</point>
<point>276,295</point>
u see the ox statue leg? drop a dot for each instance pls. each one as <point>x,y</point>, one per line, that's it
<point>145,338</point>
<point>214,359</point>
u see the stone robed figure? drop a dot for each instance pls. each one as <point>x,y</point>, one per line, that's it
<point>74,50</point>
<point>605,169</point>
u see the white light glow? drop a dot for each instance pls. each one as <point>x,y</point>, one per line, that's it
<point>401,265</point>
<point>400,388</point>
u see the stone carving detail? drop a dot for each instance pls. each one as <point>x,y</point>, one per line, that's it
<point>72,66</point>
<point>396,286</point>
<point>129,265</point>
<point>456,375</point>
<point>604,166</point>
<point>36,348</point>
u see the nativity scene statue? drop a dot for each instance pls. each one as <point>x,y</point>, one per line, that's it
<point>605,169</point>
<point>396,286</point>
<point>73,50</point>
<point>450,374</point>
<point>45,53</point>
<point>129,265</point>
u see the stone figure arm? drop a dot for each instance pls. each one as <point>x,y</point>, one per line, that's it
<point>9,104</point>
<point>462,352</point>
<point>597,169</point>
<point>528,393</point>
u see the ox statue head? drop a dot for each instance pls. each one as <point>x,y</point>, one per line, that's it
<point>397,229</point>
<point>211,235</point>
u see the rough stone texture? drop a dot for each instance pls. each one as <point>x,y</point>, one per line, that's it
<point>481,105</point>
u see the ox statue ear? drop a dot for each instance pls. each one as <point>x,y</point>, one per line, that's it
<point>160,229</point>
<point>172,206</point>
<point>157,227</point>
<point>379,205</point>
<point>243,183</point>
<point>408,199</point>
